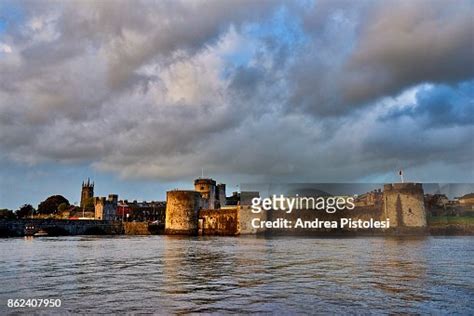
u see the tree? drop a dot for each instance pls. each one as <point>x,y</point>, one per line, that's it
<point>51,204</point>
<point>25,211</point>
<point>63,207</point>
<point>75,211</point>
<point>6,214</point>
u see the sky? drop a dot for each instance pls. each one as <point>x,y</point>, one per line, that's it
<point>141,96</point>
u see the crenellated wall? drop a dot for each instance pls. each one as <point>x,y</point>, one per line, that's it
<point>106,209</point>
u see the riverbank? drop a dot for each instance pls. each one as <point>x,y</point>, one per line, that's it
<point>451,225</point>
<point>437,226</point>
<point>60,227</point>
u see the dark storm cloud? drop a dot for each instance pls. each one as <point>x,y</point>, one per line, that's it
<point>441,106</point>
<point>246,80</point>
<point>409,42</point>
<point>258,89</point>
<point>368,50</point>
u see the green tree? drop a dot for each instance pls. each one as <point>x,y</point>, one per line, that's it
<point>51,204</point>
<point>63,207</point>
<point>25,211</point>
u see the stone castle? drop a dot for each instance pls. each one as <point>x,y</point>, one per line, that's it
<point>207,210</point>
<point>202,211</point>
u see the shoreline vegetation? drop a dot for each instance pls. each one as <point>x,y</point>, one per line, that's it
<point>451,225</point>
<point>450,220</point>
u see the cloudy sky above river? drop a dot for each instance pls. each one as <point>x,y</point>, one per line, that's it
<point>140,95</point>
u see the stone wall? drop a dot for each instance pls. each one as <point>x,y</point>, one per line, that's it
<point>99,204</point>
<point>245,219</point>
<point>58,227</point>
<point>106,209</point>
<point>404,204</point>
<point>136,228</point>
<point>224,222</point>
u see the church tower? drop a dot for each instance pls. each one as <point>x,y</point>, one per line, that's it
<point>87,192</point>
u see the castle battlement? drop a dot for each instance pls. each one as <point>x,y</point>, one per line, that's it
<point>105,208</point>
<point>99,200</point>
<point>204,181</point>
<point>403,187</point>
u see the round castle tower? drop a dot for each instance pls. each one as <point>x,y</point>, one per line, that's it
<point>182,209</point>
<point>403,204</point>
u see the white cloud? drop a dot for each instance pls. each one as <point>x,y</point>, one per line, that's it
<point>4,48</point>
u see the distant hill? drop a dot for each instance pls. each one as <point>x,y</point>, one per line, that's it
<point>308,192</point>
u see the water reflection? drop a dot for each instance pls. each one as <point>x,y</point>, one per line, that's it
<point>399,273</point>
<point>165,274</point>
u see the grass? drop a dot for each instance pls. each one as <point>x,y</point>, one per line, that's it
<point>447,220</point>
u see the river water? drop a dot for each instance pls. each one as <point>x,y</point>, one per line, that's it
<point>162,274</point>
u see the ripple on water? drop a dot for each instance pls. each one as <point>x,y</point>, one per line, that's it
<point>241,275</point>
